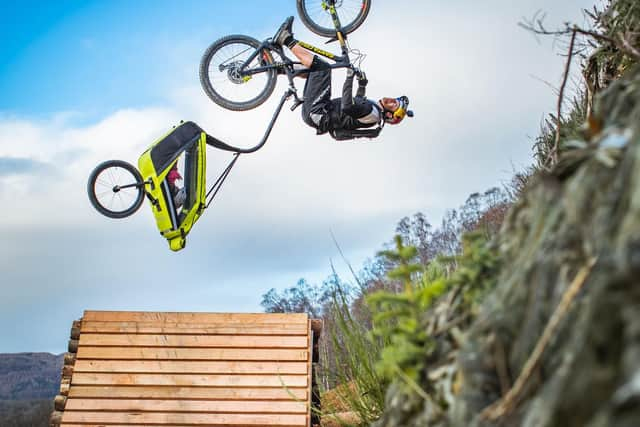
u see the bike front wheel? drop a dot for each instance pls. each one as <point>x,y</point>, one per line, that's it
<point>316,16</point>
<point>116,189</point>
<point>221,77</point>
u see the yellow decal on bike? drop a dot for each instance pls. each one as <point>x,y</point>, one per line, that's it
<point>316,50</point>
<point>246,78</point>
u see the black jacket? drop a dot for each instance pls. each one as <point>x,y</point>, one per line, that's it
<point>346,111</point>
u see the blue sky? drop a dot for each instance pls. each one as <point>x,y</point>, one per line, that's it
<point>98,56</point>
<point>83,82</point>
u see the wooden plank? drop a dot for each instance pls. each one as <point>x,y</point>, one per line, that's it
<point>194,328</point>
<point>310,371</point>
<point>145,353</point>
<point>59,402</point>
<point>155,425</point>
<point>190,367</point>
<point>316,326</point>
<point>205,341</point>
<point>55,418</point>
<point>69,359</point>
<point>243,318</point>
<point>228,406</point>
<point>172,392</point>
<point>190,380</point>
<point>65,385</point>
<point>135,418</point>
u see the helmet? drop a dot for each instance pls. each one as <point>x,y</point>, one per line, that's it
<point>400,112</point>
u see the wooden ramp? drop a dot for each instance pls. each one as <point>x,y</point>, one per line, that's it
<point>189,369</point>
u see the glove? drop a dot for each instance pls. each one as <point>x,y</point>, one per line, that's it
<point>362,78</point>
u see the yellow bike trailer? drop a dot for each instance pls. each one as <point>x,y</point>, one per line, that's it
<point>154,166</point>
<point>117,189</point>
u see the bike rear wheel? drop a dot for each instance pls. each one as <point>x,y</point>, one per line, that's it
<point>116,189</point>
<point>317,18</point>
<point>220,73</point>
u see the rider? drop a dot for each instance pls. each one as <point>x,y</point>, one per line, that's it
<point>342,117</point>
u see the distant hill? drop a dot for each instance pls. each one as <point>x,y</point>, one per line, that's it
<point>25,413</point>
<point>29,376</point>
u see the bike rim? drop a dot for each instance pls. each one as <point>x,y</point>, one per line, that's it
<point>225,78</point>
<point>347,10</point>
<point>105,185</point>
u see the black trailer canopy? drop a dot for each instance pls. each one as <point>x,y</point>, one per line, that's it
<point>180,139</point>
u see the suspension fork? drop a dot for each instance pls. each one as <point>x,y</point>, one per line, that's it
<point>330,5</point>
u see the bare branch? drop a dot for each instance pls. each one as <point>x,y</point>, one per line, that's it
<point>553,156</point>
<point>541,30</point>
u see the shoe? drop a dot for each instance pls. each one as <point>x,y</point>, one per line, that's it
<point>284,32</point>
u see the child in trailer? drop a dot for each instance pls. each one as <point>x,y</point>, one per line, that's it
<point>179,194</point>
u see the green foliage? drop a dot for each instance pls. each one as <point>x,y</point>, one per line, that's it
<point>570,128</point>
<point>620,21</point>
<point>477,271</point>
<point>398,319</point>
<point>609,50</point>
<point>376,333</point>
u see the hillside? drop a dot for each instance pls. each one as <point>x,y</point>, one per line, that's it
<point>28,383</point>
<point>25,413</point>
<point>26,376</point>
<point>556,343</point>
<point>541,327</point>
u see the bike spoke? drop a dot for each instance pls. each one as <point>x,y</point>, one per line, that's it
<point>99,195</point>
<point>111,175</point>
<point>103,183</point>
<point>235,56</point>
<point>120,198</point>
<point>233,86</point>
<point>115,201</point>
<point>347,10</point>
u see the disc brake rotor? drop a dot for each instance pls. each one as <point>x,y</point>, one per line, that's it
<point>233,72</point>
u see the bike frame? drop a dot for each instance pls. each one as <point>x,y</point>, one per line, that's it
<point>339,61</point>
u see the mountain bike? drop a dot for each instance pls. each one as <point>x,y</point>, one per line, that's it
<point>239,72</point>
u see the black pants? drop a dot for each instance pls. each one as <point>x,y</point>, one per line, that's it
<point>317,96</point>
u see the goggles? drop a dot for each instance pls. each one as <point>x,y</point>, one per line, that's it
<point>401,111</point>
